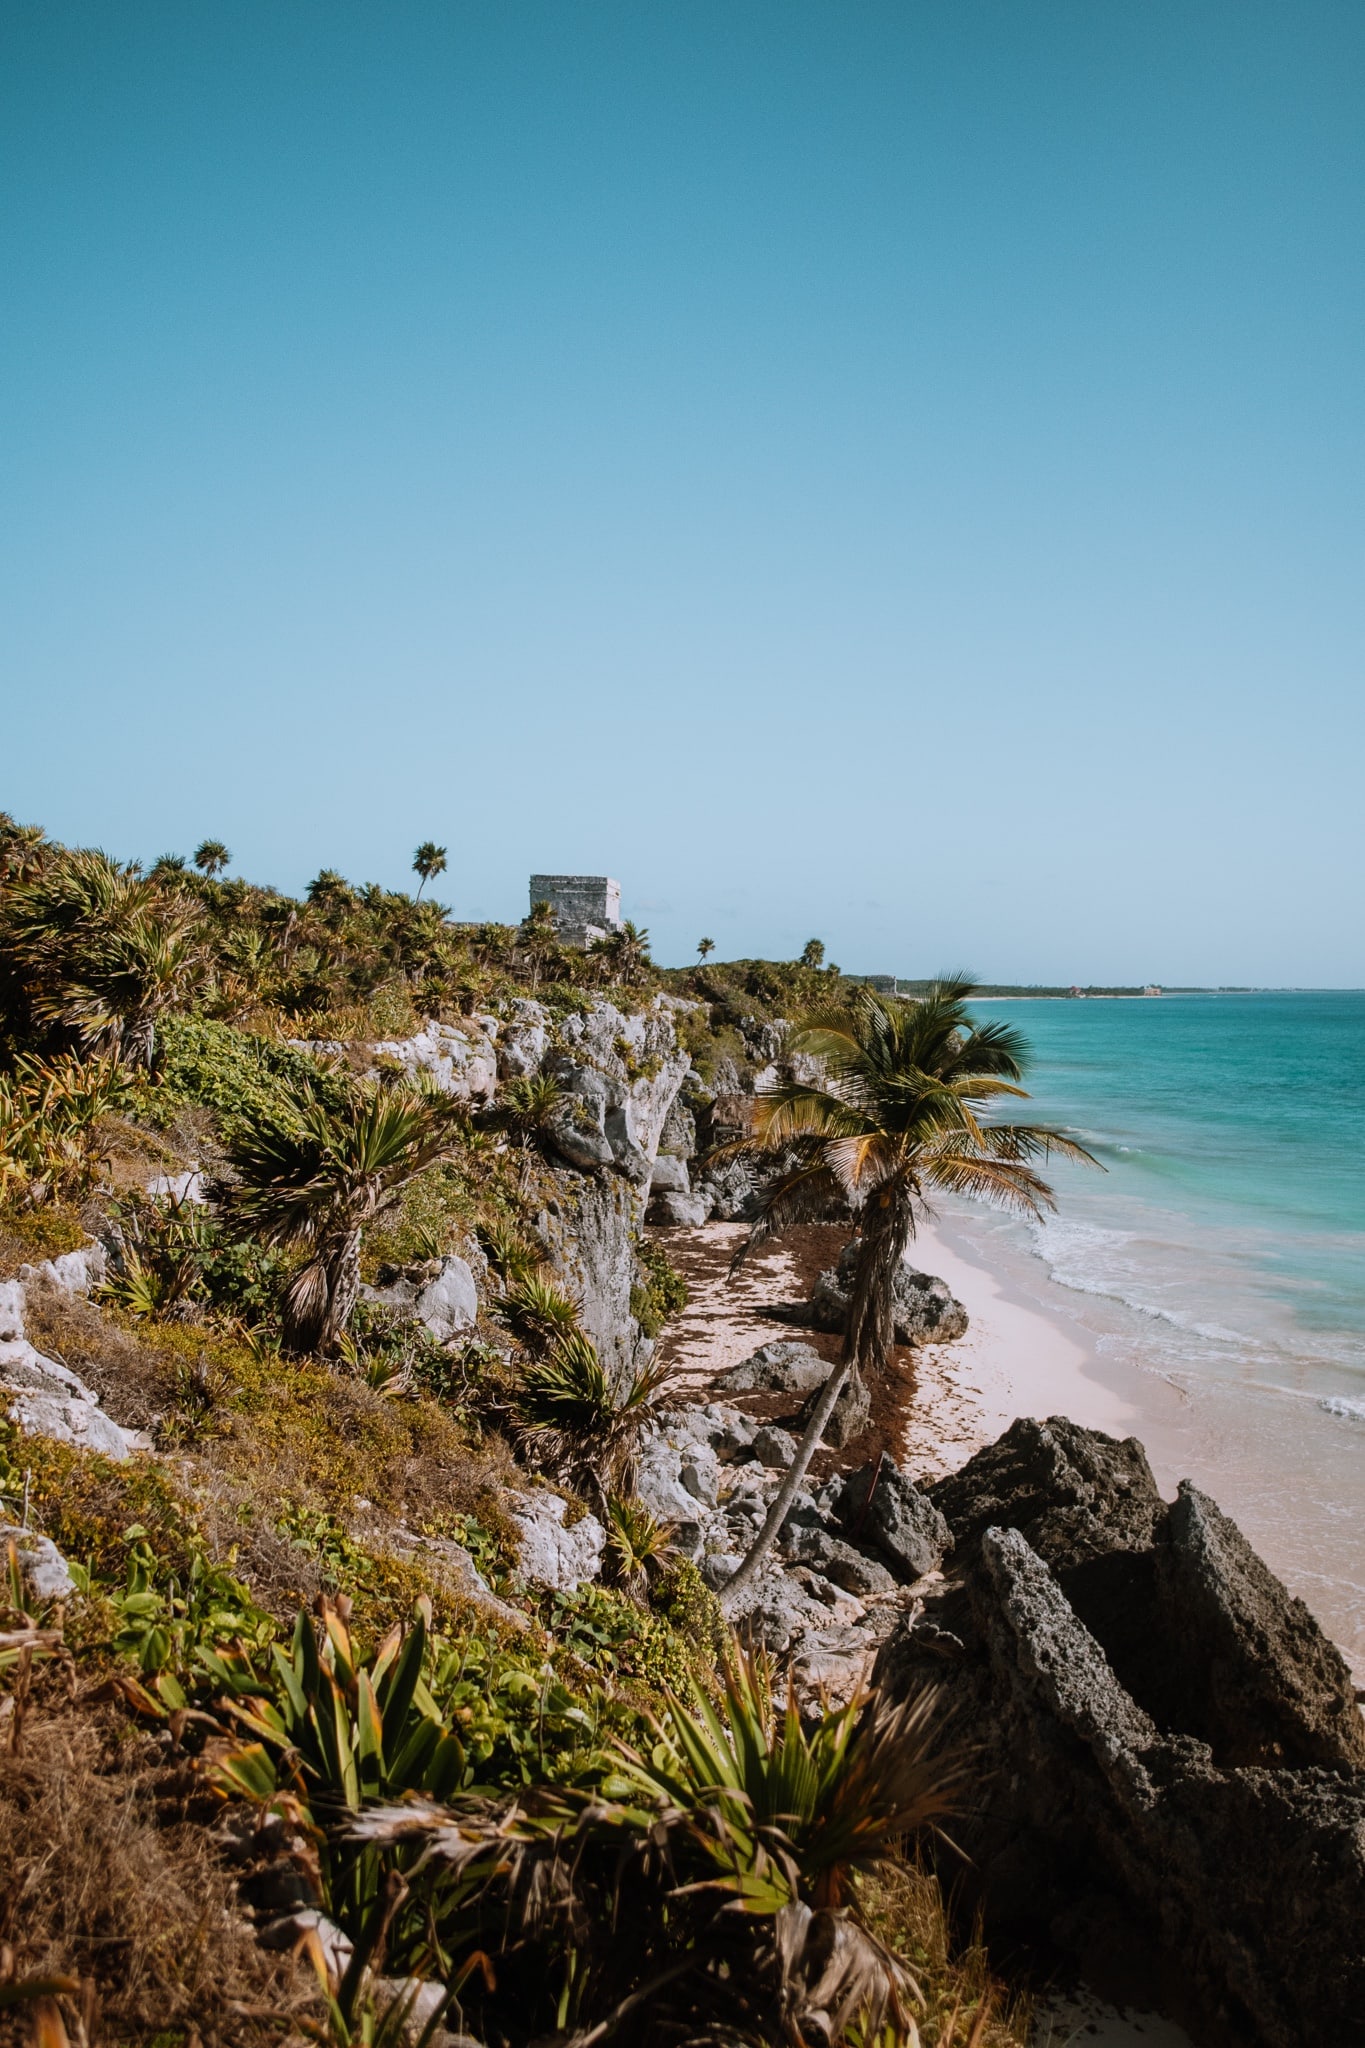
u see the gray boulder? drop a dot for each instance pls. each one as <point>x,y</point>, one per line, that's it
<point>682,1211</point>
<point>450,1302</point>
<point>851,1414</point>
<point>551,1554</point>
<point>881,1506</point>
<point>783,1367</point>
<point>670,1176</point>
<point>775,1448</point>
<point>926,1310</point>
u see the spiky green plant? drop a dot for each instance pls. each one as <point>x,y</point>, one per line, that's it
<point>638,1546</point>
<point>314,1176</point>
<point>100,950</point>
<point>569,1423</point>
<point>537,1311</point>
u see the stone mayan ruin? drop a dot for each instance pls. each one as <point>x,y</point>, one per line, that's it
<point>586,907</point>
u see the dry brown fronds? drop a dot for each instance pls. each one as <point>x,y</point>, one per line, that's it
<point>106,1879</point>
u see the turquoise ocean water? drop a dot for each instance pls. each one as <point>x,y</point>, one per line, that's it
<point>1216,1268</point>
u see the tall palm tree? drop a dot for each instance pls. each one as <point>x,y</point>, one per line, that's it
<point>315,1176</point>
<point>901,1113</point>
<point>705,947</point>
<point>211,857</point>
<point>428,862</point>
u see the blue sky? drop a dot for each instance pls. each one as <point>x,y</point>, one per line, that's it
<point>884,471</point>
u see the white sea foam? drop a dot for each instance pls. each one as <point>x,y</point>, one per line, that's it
<point>1337,1404</point>
<point>1090,1259</point>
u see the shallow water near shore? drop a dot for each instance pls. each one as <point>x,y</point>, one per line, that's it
<point>1216,1270</point>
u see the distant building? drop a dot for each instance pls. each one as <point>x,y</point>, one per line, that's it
<point>586,907</point>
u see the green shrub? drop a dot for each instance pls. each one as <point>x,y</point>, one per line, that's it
<point>660,1293</point>
<point>241,1077</point>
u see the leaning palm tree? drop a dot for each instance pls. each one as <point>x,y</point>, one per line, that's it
<point>314,1176</point>
<point>900,1113</point>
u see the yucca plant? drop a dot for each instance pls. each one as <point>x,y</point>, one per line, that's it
<point>314,1176</point>
<point>569,1423</point>
<point>507,1250</point>
<point>638,1546</point>
<point>528,1105</point>
<point>537,1311</point>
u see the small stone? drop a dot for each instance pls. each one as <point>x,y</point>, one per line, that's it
<point>42,1567</point>
<point>774,1447</point>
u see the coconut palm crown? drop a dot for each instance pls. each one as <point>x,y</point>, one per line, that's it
<point>902,1108</point>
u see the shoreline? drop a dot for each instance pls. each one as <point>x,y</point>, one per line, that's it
<point>1014,1360</point>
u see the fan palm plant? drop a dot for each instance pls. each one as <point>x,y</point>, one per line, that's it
<point>103,951</point>
<point>901,1112</point>
<point>315,1176</point>
<point>211,857</point>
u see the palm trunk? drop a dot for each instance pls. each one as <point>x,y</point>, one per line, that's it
<point>888,1221</point>
<point>322,1295</point>
<point>343,1291</point>
<point>786,1492</point>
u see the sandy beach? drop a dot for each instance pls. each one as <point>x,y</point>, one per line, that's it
<point>946,1400</point>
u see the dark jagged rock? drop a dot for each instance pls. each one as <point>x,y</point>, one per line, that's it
<point>1177,1786</point>
<point>1074,1493</point>
<point>927,1312</point>
<point>880,1506</point>
<point>1265,1683</point>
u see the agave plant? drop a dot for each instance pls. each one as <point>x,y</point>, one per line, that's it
<point>569,1423</point>
<point>638,1546</point>
<point>537,1311</point>
<point>835,1799</point>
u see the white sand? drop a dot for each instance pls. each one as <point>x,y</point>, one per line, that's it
<point>1013,1361</point>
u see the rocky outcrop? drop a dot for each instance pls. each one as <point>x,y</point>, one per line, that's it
<point>784,1367</point>
<point>460,1059</point>
<point>43,1570</point>
<point>926,1310</point>
<point>552,1552</point>
<point>43,1396</point>
<point>443,1294</point>
<point>589,1228</point>
<point>620,1075</point>
<point>1177,1782</point>
<point>882,1506</point>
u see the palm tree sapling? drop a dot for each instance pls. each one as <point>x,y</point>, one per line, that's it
<point>900,1113</point>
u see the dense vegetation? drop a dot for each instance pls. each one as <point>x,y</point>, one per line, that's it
<point>301,1664</point>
